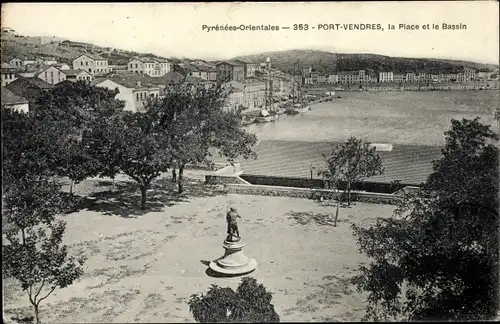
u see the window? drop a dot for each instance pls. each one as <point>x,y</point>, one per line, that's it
<point>86,63</point>
<point>81,63</point>
<point>45,74</point>
<point>137,96</point>
<point>136,65</point>
<point>90,70</point>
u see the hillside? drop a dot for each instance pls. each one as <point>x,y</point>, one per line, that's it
<point>326,62</point>
<point>64,51</point>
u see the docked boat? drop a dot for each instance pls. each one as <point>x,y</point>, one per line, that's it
<point>266,117</point>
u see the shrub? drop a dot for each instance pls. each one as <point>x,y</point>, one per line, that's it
<point>250,303</point>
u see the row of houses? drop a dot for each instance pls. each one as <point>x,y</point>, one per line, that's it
<point>361,76</point>
<point>144,78</point>
<point>251,84</point>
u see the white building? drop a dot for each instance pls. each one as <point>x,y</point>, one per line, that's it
<point>333,78</point>
<point>8,76</point>
<point>13,101</point>
<point>386,76</point>
<point>132,92</point>
<point>91,63</point>
<point>153,67</point>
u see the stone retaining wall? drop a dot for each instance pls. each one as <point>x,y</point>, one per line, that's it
<point>218,180</point>
<point>259,190</point>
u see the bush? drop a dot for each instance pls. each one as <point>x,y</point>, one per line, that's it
<point>250,303</point>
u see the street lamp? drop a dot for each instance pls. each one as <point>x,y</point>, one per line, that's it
<point>312,167</point>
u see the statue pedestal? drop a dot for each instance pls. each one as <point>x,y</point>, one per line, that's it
<point>234,262</point>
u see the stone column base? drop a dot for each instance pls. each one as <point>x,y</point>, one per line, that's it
<point>234,262</point>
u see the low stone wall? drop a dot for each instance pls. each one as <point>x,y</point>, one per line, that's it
<point>222,180</point>
<point>260,190</point>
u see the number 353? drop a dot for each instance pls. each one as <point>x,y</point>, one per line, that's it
<point>300,26</point>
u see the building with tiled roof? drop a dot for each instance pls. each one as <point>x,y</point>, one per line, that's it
<point>153,67</point>
<point>134,91</point>
<point>12,101</point>
<point>29,88</point>
<point>230,71</point>
<point>93,64</point>
<point>9,75</point>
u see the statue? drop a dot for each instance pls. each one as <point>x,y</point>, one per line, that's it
<point>233,262</point>
<point>232,225</point>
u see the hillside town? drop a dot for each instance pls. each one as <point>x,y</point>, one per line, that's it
<point>253,86</point>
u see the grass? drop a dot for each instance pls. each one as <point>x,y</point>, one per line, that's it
<point>144,268</point>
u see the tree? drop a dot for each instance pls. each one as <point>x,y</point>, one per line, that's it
<point>250,303</point>
<point>141,149</point>
<point>352,161</point>
<point>68,112</point>
<point>35,255</point>
<point>194,119</point>
<point>28,147</point>
<point>441,245</point>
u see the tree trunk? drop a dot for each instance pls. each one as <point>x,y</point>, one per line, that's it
<point>174,175</point>
<point>336,212</point>
<point>71,188</point>
<point>144,188</point>
<point>348,194</point>
<point>179,182</point>
<point>37,317</point>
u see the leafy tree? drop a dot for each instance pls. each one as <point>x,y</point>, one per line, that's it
<point>28,147</point>
<point>69,111</point>
<point>35,255</point>
<point>194,120</point>
<point>140,148</point>
<point>437,257</point>
<point>250,303</point>
<point>352,161</point>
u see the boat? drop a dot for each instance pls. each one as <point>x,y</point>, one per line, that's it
<point>266,117</point>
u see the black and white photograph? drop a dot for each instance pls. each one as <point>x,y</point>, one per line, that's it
<point>258,162</point>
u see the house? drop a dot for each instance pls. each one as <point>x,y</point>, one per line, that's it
<point>12,101</point>
<point>62,66</point>
<point>29,88</point>
<point>8,75</point>
<point>5,65</point>
<point>230,71</point>
<point>29,60</point>
<point>202,72</point>
<point>51,75</point>
<point>132,91</point>
<point>91,63</point>
<point>15,63</point>
<point>386,76</point>
<point>77,75</point>
<point>50,61</point>
<point>153,67</point>
<point>410,77</point>
<point>253,92</point>
<point>399,77</point>
<point>350,76</point>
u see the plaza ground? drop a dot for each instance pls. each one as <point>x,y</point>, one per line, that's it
<point>144,266</point>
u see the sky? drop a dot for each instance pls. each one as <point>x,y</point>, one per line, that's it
<point>175,29</point>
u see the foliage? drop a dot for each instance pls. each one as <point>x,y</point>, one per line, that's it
<point>134,144</point>
<point>194,119</point>
<point>68,112</point>
<point>28,147</point>
<point>35,255</point>
<point>352,161</point>
<point>437,257</point>
<point>250,303</point>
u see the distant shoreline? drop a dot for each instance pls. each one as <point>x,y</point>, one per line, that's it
<point>378,87</point>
